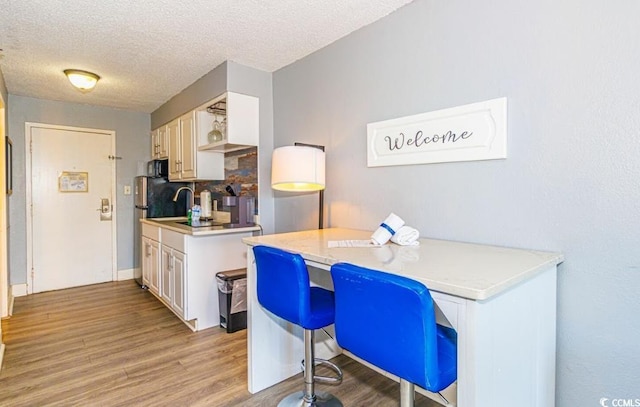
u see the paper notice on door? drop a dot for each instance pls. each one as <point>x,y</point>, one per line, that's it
<point>351,243</point>
<point>73,182</point>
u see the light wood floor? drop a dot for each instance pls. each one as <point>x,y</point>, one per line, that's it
<point>114,344</point>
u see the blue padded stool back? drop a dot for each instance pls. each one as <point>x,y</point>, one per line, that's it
<point>284,290</point>
<point>389,321</point>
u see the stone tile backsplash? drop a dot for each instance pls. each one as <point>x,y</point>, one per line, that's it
<point>240,168</point>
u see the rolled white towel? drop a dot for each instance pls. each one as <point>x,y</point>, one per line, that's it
<point>406,236</point>
<point>387,229</point>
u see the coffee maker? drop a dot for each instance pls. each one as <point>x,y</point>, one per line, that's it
<point>242,209</point>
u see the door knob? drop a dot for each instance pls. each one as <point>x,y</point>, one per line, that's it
<point>105,210</point>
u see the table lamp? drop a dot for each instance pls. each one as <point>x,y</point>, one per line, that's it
<point>299,168</point>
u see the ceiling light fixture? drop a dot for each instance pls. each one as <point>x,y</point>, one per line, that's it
<point>83,80</point>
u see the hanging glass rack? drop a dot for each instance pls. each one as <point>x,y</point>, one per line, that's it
<point>218,108</point>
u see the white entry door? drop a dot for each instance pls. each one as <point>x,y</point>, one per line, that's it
<point>72,219</point>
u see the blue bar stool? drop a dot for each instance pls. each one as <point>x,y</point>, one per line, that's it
<point>389,321</point>
<point>284,290</point>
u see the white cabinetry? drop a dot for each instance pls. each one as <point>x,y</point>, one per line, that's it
<point>174,269</point>
<point>160,143</point>
<point>179,288</point>
<point>150,263</point>
<point>166,291</point>
<point>186,267</point>
<point>150,257</point>
<point>175,149</point>
<point>185,163</point>
<point>187,141</point>
<point>236,116</point>
<point>188,147</point>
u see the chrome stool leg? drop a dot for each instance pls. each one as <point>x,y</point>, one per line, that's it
<point>308,397</point>
<point>407,393</point>
<point>322,362</point>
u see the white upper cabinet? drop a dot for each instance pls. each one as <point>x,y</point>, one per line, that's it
<point>160,143</point>
<point>188,147</point>
<point>185,163</point>
<point>175,150</point>
<point>195,142</point>
<point>229,122</point>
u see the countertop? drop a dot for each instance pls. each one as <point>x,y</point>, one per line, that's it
<point>175,225</point>
<point>467,270</point>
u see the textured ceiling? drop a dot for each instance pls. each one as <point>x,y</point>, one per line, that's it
<point>148,51</point>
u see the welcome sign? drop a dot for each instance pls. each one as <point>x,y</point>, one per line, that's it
<point>477,131</point>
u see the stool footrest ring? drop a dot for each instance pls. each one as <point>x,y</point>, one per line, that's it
<point>330,365</point>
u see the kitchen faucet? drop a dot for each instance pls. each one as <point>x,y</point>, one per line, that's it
<point>175,197</point>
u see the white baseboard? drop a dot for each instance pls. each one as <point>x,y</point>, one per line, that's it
<point>19,290</point>
<point>126,274</point>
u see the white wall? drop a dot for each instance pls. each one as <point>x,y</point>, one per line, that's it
<point>132,144</point>
<point>570,71</point>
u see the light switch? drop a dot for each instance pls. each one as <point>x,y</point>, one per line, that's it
<point>127,189</point>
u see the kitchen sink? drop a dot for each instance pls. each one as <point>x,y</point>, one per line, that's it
<point>201,223</point>
<point>169,219</point>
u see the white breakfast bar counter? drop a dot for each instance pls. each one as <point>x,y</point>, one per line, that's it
<point>501,301</point>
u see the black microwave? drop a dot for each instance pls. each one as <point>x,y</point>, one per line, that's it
<point>158,168</point>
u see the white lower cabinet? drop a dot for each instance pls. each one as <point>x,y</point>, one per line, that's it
<point>150,256</point>
<point>150,264</point>
<point>178,279</point>
<point>166,290</point>
<point>173,278</point>
<point>185,270</point>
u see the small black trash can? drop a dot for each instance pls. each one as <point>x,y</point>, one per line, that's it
<point>232,299</point>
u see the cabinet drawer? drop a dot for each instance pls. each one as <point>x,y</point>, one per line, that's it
<point>150,231</point>
<point>174,240</point>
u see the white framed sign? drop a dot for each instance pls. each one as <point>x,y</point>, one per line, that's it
<point>477,131</point>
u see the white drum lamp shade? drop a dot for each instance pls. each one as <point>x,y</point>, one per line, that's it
<point>297,169</point>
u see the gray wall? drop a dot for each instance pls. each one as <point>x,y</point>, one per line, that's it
<point>249,81</point>
<point>231,76</point>
<point>132,144</point>
<point>211,85</point>
<point>569,184</point>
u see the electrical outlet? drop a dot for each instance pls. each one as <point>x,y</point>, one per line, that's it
<point>127,189</point>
